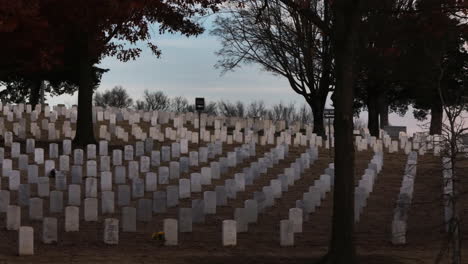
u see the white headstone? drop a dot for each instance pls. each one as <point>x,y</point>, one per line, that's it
<point>111,231</point>
<point>91,209</point>
<point>49,230</point>
<point>229,233</point>
<point>286,233</point>
<point>26,241</point>
<point>72,219</point>
<point>170,232</point>
<point>13,217</point>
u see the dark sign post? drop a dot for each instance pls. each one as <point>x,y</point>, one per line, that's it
<point>329,114</point>
<point>199,106</point>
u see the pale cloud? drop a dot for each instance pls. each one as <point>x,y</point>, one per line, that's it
<point>192,43</point>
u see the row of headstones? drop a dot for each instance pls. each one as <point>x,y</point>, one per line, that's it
<point>143,211</point>
<point>365,140</point>
<point>311,200</point>
<point>110,234</point>
<point>317,193</point>
<point>439,145</point>
<point>219,197</point>
<point>19,109</point>
<point>154,131</point>
<point>266,198</point>
<point>362,144</point>
<point>166,117</point>
<point>145,206</point>
<point>180,134</point>
<point>289,227</point>
<point>113,115</point>
<point>366,184</point>
<point>106,178</point>
<point>242,137</point>
<point>170,232</point>
<point>261,199</point>
<point>421,148</point>
<point>200,208</point>
<point>137,132</point>
<point>204,177</point>
<point>161,199</point>
<point>154,118</point>
<point>107,132</point>
<point>180,119</point>
<point>20,129</point>
<point>20,126</point>
<point>141,148</point>
<point>421,142</point>
<point>171,134</point>
<point>202,155</point>
<point>405,196</point>
<point>72,214</point>
<point>378,145</point>
<point>165,173</point>
<point>424,137</point>
<point>134,168</point>
<point>91,183</point>
<point>404,143</point>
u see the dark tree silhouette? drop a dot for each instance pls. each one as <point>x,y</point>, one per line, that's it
<point>283,42</point>
<point>117,97</point>
<point>179,104</point>
<point>432,36</point>
<point>154,101</point>
<point>93,29</point>
<point>344,36</point>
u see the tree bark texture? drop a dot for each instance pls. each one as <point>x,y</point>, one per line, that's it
<point>383,111</point>
<point>437,114</point>
<point>84,126</point>
<point>318,105</point>
<point>346,19</point>
<point>373,113</point>
<point>35,93</point>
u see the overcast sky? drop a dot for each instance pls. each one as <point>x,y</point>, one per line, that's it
<point>186,68</point>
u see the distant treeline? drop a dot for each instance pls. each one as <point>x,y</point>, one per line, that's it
<point>119,98</point>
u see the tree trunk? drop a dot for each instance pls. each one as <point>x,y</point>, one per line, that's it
<point>319,101</point>
<point>317,111</point>
<point>436,118</point>
<point>373,113</point>
<point>383,111</point>
<point>346,19</point>
<point>35,93</point>
<point>84,126</point>
<point>42,96</point>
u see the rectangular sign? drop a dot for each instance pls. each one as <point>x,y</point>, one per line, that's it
<point>329,113</point>
<point>199,104</point>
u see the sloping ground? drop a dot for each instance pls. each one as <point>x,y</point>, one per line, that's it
<point>374,229</point>
<point>261,243</point>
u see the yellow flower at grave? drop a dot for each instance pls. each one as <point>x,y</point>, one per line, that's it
<point>158,236</point>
